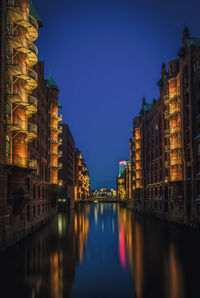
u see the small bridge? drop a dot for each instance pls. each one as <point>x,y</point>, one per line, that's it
<point>100,200</point>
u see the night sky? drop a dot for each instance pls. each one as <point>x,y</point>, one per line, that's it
<point>105,55</point>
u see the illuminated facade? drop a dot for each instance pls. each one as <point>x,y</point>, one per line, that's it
<point>67,158</point>
<point>165,147</point>
<point>82,179</point>
<point>29,126</point>
<point>122,165</point>
<point>136,157</point>
<point>123,180</point>
<point>21,80</point>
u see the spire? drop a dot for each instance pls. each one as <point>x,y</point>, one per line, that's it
<point>144,101</point>
<point>186,33</point>
<point>164,69</point>
<point>33,12</point>
<point>51,82</point>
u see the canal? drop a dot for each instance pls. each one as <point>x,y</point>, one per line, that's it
<point>103,250</point>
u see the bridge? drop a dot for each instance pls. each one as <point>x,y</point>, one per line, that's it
<point>100,200</point>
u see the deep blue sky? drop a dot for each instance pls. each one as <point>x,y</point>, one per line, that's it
<point>105,55</point>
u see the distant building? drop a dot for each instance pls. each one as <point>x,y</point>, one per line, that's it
<point>82,179</point>
<point>121,181</point>
<point>104,192</point>
<point>67,158</point>
<point>122,165</point>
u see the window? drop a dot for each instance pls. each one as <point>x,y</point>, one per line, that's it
<point>198,167</point>
<point>34,192</point>
<point>8,149</point>
<point>198,148</point>
<point>198,187</point>
<point>8,113</point>
<point>38,192</point>
<point>188,172</point>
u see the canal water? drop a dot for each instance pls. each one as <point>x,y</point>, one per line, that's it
<point>103,250</point>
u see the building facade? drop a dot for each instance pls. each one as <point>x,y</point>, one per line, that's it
<point>28,126</point>
<point>82,179</point>
<point>67,158</point>
<point>165,145</point>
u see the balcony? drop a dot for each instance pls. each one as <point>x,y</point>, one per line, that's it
<point>137,147</point>
<point>176,176</point>
<point>59,117</point>
<point>60,166</point>
<point>53,153</point>
<point>167,132</point>
<point>24,73</point>
<point>26,21</point>
<point>54,140</point>
<point>21,126</point>
<point>175,129</point>
<point>54,127</point>
<point>166,114</point>
<point>175,161</point>
<point>167,147</point>
<point>60,129</point>
<point>60,153</point>
<point>138,158</point>
<point>167,164</point>
<point>59,141</point>
<point>56,165</point>
<point>169,98</point>
<point>26,47</point>
<point>22,162</point>
<point>175,146</point>
<point>56,116</point>
<point>174,112</point>
<point>54,181</point>
<point>166,99</point>
<point>24,99</point>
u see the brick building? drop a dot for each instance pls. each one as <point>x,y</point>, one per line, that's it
<point>67,174</point>
<point>165,146</point>
<point>82,180</point>
<point>28,126</point>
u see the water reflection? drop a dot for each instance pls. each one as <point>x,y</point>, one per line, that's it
<point>103,250</point>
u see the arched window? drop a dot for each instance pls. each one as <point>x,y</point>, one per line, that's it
<point>34,192</point>
<point>185,77</point>
<point>8,113</point>
<point>8,149</point>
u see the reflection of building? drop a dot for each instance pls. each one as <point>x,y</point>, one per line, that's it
<point>82,180</point>
<point>139,248</point>
<point>81,229</point>
<point>45,263</point>
<point>164,148</point>
<point>67,174</point>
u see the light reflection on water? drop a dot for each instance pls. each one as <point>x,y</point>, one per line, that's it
<point>103,250</point>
